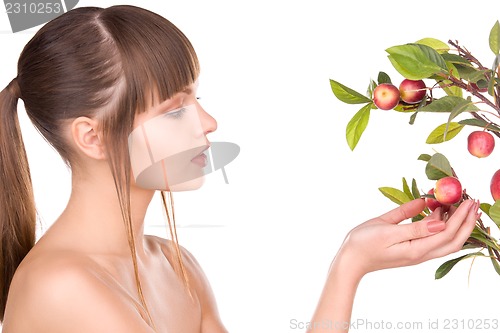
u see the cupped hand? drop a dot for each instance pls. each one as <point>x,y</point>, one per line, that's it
<point>383,242</point>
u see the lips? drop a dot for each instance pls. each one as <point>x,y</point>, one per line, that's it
<point>201,158</point>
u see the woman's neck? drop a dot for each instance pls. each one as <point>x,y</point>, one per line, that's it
<point>93,221</point>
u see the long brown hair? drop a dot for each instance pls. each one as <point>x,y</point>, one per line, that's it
<point>94,62</point>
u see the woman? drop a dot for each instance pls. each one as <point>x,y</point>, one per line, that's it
<point>113,90</point>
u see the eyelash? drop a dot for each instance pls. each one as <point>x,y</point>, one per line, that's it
<point>177,114</point>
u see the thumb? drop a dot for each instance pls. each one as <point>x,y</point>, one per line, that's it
<point>420,229</point>
<point>405,211</point>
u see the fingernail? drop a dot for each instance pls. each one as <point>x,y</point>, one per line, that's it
<point>471,204</point>
<point>436,226</point>
<point>478,216</point>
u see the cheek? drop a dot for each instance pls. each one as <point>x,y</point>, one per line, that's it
<point>162,149</point>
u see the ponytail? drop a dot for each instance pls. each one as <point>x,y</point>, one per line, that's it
<point>17,206</point>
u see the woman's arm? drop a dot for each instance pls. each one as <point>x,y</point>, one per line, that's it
<point>384,243</point>
<point>211,321</point>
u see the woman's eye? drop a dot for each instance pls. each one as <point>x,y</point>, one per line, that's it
<point>176,114</point>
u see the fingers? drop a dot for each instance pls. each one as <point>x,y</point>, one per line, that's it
<point>457,217</point>
<point>451,239</point>
<point>436,214</point>
<point>405,211</point>
<point>420,229</point>
<point>461,234</point>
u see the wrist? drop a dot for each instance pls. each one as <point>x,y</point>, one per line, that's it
<point>347,267</point>
<point>336,301</point>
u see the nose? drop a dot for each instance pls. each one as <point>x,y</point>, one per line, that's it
<point>208,123</point>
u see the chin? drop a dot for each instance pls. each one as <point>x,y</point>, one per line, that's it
<point>190,185</point>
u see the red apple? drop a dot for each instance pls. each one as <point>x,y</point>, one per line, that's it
<point>495,185</point>
<point>448,190</point>
<point>412,92</point>
<point>480,143</point>
<point>386,96</point>
<point>432,203</point>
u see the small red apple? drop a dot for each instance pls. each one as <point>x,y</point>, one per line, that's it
<point>432,203</point>
<point>495,185</point>
<point>480,143</point>
<point>448,190</point>
<point>412,92</point>
<point>386,96</point>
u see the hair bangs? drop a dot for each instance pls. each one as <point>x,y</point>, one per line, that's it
<point>157,59</point>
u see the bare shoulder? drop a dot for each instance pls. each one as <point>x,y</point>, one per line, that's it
<point>198,281</point>
<point>191,264</point>
<point>63,292</point>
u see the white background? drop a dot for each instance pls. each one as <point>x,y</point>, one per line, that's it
<point>266,239</point>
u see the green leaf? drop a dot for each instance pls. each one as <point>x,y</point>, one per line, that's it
<point>485,207</point>
<point>414,189</point>
<point>418,217</point>
<point>468,246</point>
<point>406,189</point>
<point>494,261</point>
<point>436,44</point>
<point>466,106</point>
<point>470,73</point>
<point>347,95</point>
<point>495,38</point>
<point>395,195</point>
<point>371,87</point>
<point>492,82</point>
<point>449,104</point>
<point>416,61</point>
<point>433,56</point>
<point>494,213</point>
<point>444,133</point>
<point>455,59</point>
<point>479,123</point>
<point>405,108</point>
<point>383,78</point>
<point>424,157</point>
<point>357,125</point>
<point>448,88</point>
<point>413,117</point>
<point>438,167</point>
<point>447,266</point>
<point>483,237</point>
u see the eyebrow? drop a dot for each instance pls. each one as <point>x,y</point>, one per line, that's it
<point>188,90</point>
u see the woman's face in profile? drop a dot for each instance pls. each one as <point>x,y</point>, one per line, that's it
<point>168,142</point>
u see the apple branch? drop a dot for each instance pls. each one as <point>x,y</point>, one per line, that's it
<point>496,254</point>
<point>467,55</point>
<point>459,83</point>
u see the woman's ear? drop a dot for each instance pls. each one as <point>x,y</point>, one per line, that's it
<point>85,135</point>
